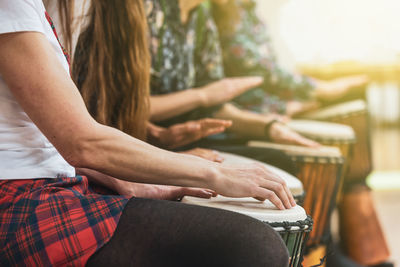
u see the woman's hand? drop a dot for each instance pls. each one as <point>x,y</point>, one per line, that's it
<point>280,133</point>
<point>163,192</point>
<point>205,154</point>
<point>131,189</point>
<point>254,180</point>
<point>185,133</point>
<point>226,89</point>
<point>337,88</point>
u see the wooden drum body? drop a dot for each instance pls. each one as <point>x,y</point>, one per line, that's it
<point>328,134</point>
<point>294,184</point>
<point>320,171</point>
<point>360,230</point>
<point>293,225</point>
<point>354,114</point>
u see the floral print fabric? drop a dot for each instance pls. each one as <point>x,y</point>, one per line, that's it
<point>247,51</point>
<point>183,55</point>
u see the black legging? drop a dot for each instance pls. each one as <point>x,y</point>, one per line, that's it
<point>165,233</point>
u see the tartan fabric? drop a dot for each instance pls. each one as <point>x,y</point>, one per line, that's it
<point>54,222</point>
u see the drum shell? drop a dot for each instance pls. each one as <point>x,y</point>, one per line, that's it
<point>294,235</point>
<point>328,134</point>
<point>321,179</point>
<point>360,231</point>
<point>360,156</point>
<point>360,160</point>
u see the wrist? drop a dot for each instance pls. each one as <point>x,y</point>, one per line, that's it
<point>269,126</point>
<point>201,97</point>
<point>207,175</point>
<point>124,188</point>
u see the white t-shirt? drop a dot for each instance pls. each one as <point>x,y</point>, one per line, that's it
<point>24,151</point>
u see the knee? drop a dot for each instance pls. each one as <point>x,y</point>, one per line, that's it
<point>269,242</point>
<point>258,243</point>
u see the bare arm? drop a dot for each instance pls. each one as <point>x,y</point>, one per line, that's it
<point>170,105</point>
<point>48,95</point>
<point>131,189</point>
<point>244,122</point>
<point>252,124</point>
<point>44,90</point>
<point>167,106</point>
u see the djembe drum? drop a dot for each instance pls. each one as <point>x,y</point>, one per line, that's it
<point>320,171</point>
<point>328,134</point>
<point>293,224</point>
<point>295,186</point>
<point>355,115</point>
<point>356,234</point>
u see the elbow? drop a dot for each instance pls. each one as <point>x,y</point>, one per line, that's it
<point>80,151</point>
<point>79,155</point>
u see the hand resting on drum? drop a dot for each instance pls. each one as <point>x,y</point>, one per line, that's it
<point>257,181</point>
<point>280,133</point>
<point>185,133</point>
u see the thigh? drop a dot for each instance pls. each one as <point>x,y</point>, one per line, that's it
<point>164,233</point>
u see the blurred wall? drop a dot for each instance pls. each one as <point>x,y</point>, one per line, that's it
<point>325,31</point>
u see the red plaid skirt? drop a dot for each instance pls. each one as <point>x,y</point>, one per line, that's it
<point>54,222</point>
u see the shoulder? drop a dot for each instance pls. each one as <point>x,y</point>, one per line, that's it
<point>21,15</point>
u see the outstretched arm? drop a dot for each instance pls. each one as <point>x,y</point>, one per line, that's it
<point>170,105</point>
<point>247,123</point>
<point>44,90</point>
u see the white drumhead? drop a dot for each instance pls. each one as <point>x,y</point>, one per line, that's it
<point>263,211</point>
<point>339,110</point>
<point>301,151</point>
<point>294,184</point>
<point>319,130</point>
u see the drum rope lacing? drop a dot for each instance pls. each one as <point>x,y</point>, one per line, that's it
<point>308,222</point>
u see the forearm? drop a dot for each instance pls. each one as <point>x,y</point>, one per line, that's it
<point>243,122</point>
<point>116,154</point>
<point>167,106</point>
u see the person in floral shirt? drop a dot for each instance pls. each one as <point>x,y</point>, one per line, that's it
<point>188,80</point>
<point>183,56</point>
<point>247,50</point>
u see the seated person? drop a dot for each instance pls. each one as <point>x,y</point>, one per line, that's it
<point>188,78</point>
<point>51,216</point>
<point>247,50</point>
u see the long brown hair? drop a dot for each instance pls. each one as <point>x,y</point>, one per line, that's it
<point>112,65</point>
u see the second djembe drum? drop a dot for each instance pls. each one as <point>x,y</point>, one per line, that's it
<point>355,115</point>
<point>328,134</point>
<point>320,171</point>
